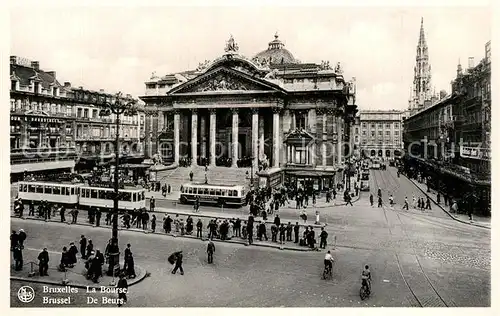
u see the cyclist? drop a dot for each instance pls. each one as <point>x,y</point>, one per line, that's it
<point>328,261</point>
<point>366,277</point>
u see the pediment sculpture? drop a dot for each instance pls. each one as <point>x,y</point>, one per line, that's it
<point>222,83</point>
<point>272,75</point>
<point>203,65</point>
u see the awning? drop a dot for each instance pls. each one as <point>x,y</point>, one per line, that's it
<point>310,173</point>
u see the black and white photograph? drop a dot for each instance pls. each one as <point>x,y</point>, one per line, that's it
<point>249,156</point>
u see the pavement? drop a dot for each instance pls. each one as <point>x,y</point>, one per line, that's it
<point>74,277</point>
<point>480,221</point>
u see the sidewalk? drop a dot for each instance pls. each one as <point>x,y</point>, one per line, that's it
<point>74,277</point>
<point>205,217</point>
<point>479,221</point>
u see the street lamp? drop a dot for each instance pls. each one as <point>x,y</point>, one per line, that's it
<point>118,107</point>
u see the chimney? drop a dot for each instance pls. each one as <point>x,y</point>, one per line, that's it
<point>80,87</point>
<point>471,62</point>
<point>67,84</point>
<point>52,73</point>
<point>101,90</point>
<point>35,65</point>
<point>13,60</point>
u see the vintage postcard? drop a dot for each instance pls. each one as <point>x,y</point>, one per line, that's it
<point>271,156</point>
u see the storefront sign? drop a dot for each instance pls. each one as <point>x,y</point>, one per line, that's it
<point>475,152</point>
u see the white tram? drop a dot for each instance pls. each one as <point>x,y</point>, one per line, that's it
<point>60,193</point>
<point>129,199</point>
<point>80,195</point>
<point>213,194</point>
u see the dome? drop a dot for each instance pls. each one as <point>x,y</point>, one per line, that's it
<point>276,52</point>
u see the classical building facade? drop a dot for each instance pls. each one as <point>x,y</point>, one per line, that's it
<point>381,133</point>
<point>279,115</point>
<point>53,126</point>
<point>450,140</point>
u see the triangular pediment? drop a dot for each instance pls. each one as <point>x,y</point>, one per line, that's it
<point>223,80</point>
<point>299,137</point>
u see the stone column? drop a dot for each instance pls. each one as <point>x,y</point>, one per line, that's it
<point>234,132</point>
<point>213,121</point>
<point>255,138</point>
<point>203,136</point>
<point>176,136</point>
<point>276,137</point>
<point>324,142</point>
<point>261,137</point>
<point>161,120</point>
<point>339,140</point>
<point>24,134</point>
<point>194,137</point>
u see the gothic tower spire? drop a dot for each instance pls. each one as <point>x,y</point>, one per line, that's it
<point>422,91</point>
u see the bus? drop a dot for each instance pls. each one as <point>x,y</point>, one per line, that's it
<point>365,180</point>
<point>213,194</point>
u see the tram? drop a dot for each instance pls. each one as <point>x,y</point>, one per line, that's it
<point>375,163</point>
<point>80,196</point>
<point>213,194</point>
<point>365,180</point>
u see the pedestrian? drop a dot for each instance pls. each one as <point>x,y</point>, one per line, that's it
<point>199,228</point>
<point>210,251</point>
<point>153,223</point>
<point>469,212</point>
<point>428,204</point>
<point>296,228</point>
<point>379,201</point>
<point>348,199</point>
<point>83,246</point>
<point>371,199</point>
<point>98,215</point>
<point>419,204</point>
<point>90,248</point>
<point>122,289</point>
<point>178,262</point>
<point>405,206</point>
<point>152,204</point>
<point>322,238</point>
<point>189,225</point>
<point>65,260</point>
<point>72,255</point>
<point>277,220</point>
<point>21,237</point>
<point>145,220</point>
<point>438,198</point>
<point>43,262</point>
<point>289,230</point>
<point>18,258</point>
<point>75,216</point>
<point>31,208</point>
<point>167,224</point>
<point>312,236</point>
<point>250,232</point>
<point>108,218</point>
<point>282,230</point>
<point>414,201</point>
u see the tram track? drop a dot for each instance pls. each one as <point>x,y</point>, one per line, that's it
<point>421,294</point>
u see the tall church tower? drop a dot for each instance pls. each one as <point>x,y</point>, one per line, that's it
<point>422,91</point>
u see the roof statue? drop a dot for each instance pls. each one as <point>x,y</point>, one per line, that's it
<point>338,69</point>
<point>325,65</point>
<point>203,65</point>
<point>231,46</point>
<point>153,75</point>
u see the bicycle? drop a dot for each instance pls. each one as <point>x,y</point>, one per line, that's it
<point>327,273</point>
<point>364,291</point>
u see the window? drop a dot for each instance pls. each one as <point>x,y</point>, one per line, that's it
<point>217,192</point>
<point>387,125</point>
<point>13,85</point>
<point>364,125</point>
<point>78,112</point>
<point>387,133</point>
<point>39,189</point>
<point>31,188</point>
<point>93,194</point>
<point>364,133</point>
<point>356,130</point>
<point>373,125</point>
<point>379,133</point>
<point>56,190</point>
<point>85,113</point>
<point>212,191</point>
<point>396,133</point>
<point>396,125</point>
<point>300,120</point>
<point>373,133</point>
<point>380,125</point>
<point>235,193</point>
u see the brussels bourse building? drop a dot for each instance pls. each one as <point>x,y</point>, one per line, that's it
<point>283,117</point>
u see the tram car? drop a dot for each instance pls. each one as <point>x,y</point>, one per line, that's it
<point>213,194</point>
<point>80,196</point>
<point>52,192</point>
<point>365,180</point>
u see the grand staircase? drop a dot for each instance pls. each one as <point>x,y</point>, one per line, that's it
<point>215,175</point>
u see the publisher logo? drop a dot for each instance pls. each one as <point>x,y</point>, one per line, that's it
<point>26,294</point>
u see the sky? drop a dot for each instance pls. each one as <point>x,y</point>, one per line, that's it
<point>118,48</point>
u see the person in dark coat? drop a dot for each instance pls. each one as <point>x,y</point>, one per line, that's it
<point>250,232</point>
<point>90,248</point>
<point>277,220</point>
<point>122,289</point>
<point>274,233</point>
<point>145,220</point>
<point>210,251</point>
<point>153,223</point>
<point>98,215</point>
<point>72,254</point>
<point>189,225</point>
<point>14,240</point>
<point>168,224</point>
<point>262,231</point>
<point>371,199</point>
<point>296,229</point>
<point>130,266</point>
<point>237,228</point>
<point>289,230</point>
<point>62,212</point>
<point>108,218</point>
<point>199,229</point>
<point>152,204</point>
<point>18,258</point>
<point>282,230</point>
<point>323,236</point>
<point>312,235</point>
<point>178,263</point>
<point>21,237</point>
<point>65,260</point>
<point>43,262</point>
<point>83,247</point>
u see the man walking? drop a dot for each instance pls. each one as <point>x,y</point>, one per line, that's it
<point>178,263</point>
<point>405,206</point>
<point>98,215</point>
<point>210,251</point>
<point>122,289</point>
<point>83,246</point>
<point>289,230</point>
<point>323,236</point>
<point>152,204</point>
<point>199,227</point>
<point>371,199</point>
<point>296,232</point>
<point>43,262</point>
